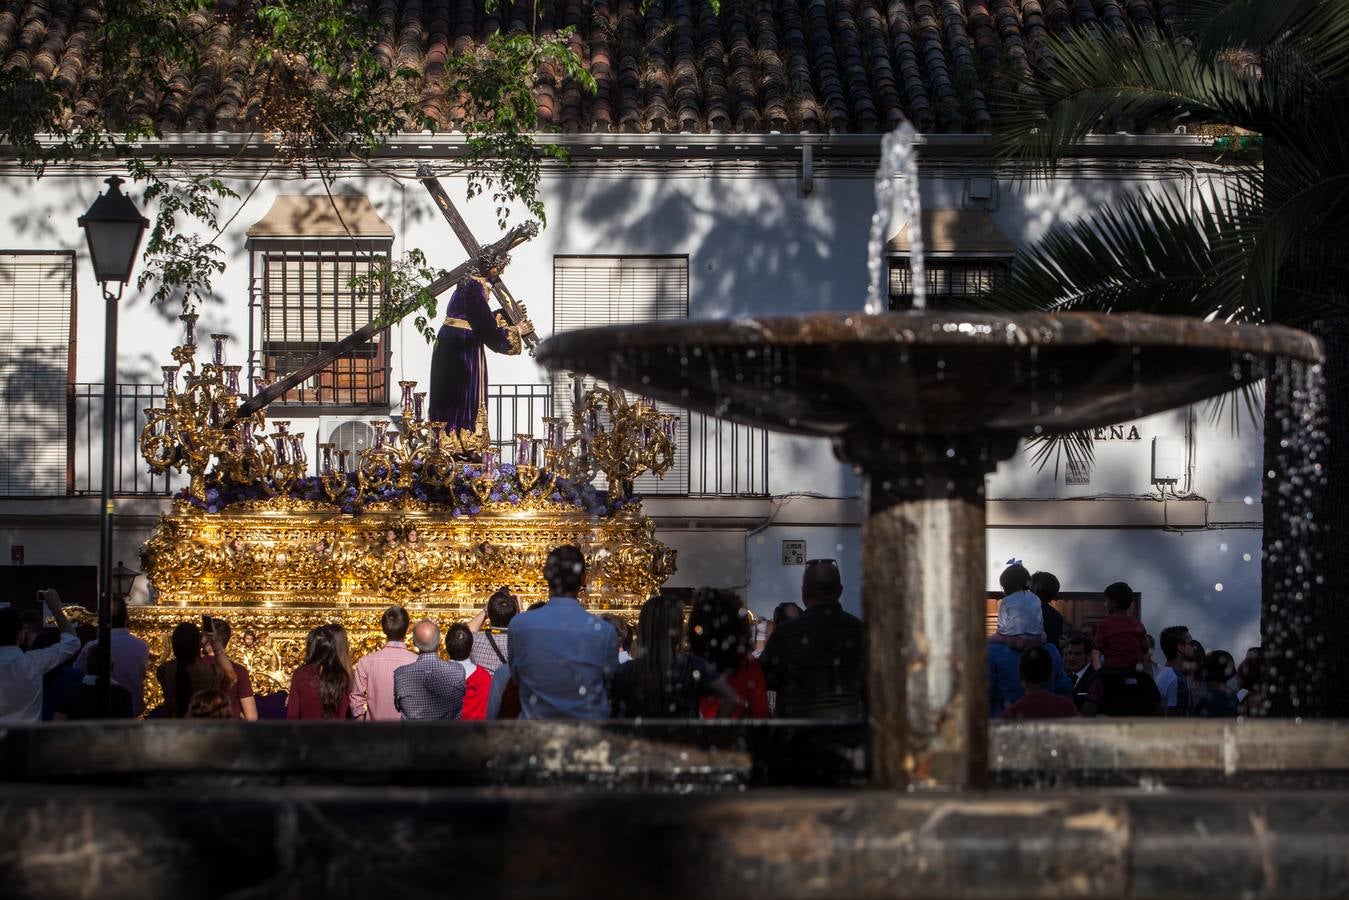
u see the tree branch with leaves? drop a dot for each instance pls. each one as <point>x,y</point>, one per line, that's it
<point>327,90</point>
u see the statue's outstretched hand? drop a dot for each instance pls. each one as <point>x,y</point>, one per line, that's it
<point>525,325</point>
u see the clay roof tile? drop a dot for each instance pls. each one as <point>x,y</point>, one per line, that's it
<point>660,65</point>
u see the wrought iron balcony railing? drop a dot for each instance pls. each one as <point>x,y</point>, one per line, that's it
<point>718,458</point>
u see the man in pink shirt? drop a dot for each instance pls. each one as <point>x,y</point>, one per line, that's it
<point>372,692</point>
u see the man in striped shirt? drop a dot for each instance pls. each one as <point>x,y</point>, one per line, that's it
<point>490,643</point>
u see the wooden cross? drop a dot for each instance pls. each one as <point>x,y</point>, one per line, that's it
<point>512,307</point>
<point>515,312</point>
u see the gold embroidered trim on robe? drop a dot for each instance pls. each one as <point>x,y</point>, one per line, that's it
<point>462,440</point>
<point>512,335</point>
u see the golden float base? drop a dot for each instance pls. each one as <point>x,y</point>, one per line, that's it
<point>278,568</point>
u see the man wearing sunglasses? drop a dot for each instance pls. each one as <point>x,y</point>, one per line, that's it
<point>814,661</point>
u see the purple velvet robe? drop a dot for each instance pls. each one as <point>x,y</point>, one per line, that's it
<point>459,365</point>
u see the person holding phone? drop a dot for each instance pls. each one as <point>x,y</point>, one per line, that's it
<point>231,678</point>
<point>21,673</point>
<point>183,676</point>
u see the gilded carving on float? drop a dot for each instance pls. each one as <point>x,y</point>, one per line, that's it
<point>273,555</point>
<point>276,551</point>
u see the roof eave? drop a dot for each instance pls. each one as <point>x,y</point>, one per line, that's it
<point>676,146</point>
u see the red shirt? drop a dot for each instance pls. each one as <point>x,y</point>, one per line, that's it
<point>476,690</point>
<point>237,692</point>
<point>305,702</point>
<point>1122,640</point>
<point>748,682</point>
<point>1040,705</point>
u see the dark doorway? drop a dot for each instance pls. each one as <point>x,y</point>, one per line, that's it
<point>77,585</point>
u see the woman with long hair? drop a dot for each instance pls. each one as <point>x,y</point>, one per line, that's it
<point>721,633</point>
<point>343,649</point>
<point>211,704</point>
<point>184,675</point>
<point>660,682</point>
<point>320,688</point>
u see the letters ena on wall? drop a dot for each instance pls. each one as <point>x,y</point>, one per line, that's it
<point>1116,433</point>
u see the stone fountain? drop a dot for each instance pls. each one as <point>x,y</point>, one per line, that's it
<point>926,405</point>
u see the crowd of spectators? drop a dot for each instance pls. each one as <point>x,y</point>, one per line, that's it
<point>695,658</point>
<point>1038,670</point>
<point>700,658</point>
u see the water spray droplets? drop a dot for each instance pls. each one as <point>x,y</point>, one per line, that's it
<point>1294,482</point>
<point>898,163</point>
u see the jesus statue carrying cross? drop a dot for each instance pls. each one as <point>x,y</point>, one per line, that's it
<point>459,361</point>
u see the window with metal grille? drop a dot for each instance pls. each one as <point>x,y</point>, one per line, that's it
<point>307,303</point>
<point>37,295</point>
<point>590,291</point>
<point>949,280</point>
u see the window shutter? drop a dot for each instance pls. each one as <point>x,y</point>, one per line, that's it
<point>309,298</point>
<point>35,306</point>
<point>949,280</point>
<point>592,291</point>
<point>307,303</point>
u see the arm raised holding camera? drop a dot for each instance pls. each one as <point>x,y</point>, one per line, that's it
<point>49,658</point>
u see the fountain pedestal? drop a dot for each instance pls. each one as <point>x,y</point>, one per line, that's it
<point>927,404</point>
<point>922,547</point>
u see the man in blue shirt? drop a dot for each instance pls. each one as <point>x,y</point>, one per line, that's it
<point>562,657</point>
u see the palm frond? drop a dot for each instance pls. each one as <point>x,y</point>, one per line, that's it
<point>1149,253</point>
<point>1295,227</point>
<point>1072,448</point>
<point>1090,82</point>
<point>1295,230</point>
<point>1246,403</point>
<point>1315,31</point>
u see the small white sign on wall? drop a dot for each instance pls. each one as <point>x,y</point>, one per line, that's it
<point>793,553</point>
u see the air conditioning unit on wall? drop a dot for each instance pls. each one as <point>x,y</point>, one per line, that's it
<point>350,433</point>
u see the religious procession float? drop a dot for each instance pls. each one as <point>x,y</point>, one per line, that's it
<point>429,517</point>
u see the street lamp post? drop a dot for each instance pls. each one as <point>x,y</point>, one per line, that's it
<point>113,227</point>
<point>122,580</point>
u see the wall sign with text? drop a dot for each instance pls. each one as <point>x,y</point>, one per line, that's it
<point>1116,433</point>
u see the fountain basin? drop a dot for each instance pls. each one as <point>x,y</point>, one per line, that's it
<point>933,374</point>
<point>927,403</point>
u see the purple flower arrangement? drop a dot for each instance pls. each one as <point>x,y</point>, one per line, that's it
<point>458,497</point>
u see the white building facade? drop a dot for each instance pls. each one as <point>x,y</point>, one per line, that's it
<point>639,227</point>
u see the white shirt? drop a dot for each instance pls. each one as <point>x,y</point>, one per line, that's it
<point>1167,680</point>
<point>21,677</point>
<point>469,667</point>
<point>130,660</point>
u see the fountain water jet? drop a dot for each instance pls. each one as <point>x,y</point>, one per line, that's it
<point>926,404</point>
<point>899,161</point>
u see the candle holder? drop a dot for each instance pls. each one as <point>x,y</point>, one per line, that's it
<point>638,439</point>
<point>376,469</point>
<point>435,464</point>
<point>289,464</point>
<point>218,348</point>
<point>196,428</point>
<point>486,479</point>
<point>527,470</point>
<point>333,480</point>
